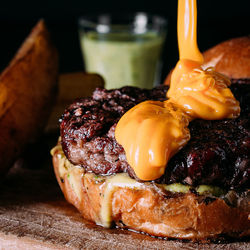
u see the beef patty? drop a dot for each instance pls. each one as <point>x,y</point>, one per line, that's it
<point>218,152</point>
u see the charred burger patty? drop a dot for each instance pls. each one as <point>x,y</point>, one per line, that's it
<point>218,152</point>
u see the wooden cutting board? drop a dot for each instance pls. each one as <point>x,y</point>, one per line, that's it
<point>34,214</point>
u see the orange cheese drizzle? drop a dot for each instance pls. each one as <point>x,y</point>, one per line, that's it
<point>152,131</point>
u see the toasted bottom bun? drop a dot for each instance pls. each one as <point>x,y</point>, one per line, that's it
<point>147,207</point>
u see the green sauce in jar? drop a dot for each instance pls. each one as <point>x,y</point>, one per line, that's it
<point>123,58</point>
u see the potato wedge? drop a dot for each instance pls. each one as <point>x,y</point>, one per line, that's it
<point>27,91</point>
<point>70,87</point>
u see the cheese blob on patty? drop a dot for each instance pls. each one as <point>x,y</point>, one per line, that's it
<point>152,131</point>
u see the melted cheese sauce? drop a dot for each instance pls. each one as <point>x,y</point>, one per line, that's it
<point>143,131</point>
<point>152,132</point>
<point>187,31</point>
<point>201,93</point>
<point>112,184</point>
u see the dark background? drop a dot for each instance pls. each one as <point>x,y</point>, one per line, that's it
<point>218,20</point>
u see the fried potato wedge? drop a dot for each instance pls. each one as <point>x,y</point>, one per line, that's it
<point>28,88</point>
<point>70,87</point>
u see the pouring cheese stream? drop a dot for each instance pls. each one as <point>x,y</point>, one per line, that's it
<point>152,131</point>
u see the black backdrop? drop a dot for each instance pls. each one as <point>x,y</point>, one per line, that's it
<point>218,20</point>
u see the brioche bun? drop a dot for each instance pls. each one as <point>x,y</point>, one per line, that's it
<point>149,208</point>
<point>231,58</point>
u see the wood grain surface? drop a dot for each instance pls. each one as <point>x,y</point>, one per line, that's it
<point>34,215</point>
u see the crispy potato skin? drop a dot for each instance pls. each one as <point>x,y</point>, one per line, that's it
<point>182,216</point>
<point>27,90</point>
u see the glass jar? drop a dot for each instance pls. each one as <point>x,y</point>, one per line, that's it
<point>123,49</point>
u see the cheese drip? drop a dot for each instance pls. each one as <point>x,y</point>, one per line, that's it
<point>202,93</point>
<point>152,132</point>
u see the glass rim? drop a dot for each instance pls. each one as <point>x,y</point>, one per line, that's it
<point>136,22</point>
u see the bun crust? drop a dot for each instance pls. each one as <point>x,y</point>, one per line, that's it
<point>231,58</point>
<point>149,209</point>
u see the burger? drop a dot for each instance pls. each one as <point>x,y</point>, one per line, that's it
<point>204,192</point>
